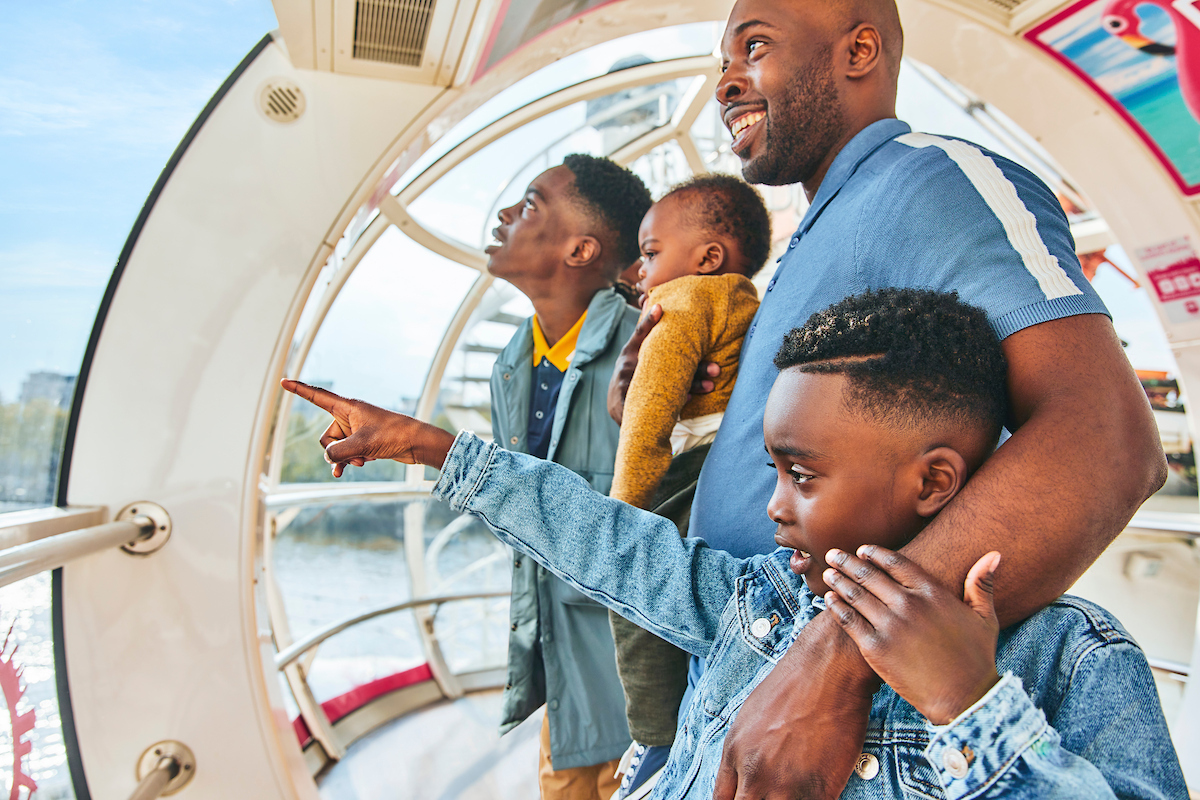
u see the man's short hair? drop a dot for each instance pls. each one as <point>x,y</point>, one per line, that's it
<point>616,198</point>
<point>731,208</point>
<point>912,357</point>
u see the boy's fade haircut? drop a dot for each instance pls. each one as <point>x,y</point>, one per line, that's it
<point>729,207</point>
<point>614,197</point>
<point>911,357</point>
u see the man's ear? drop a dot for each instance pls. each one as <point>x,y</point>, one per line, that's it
<point>943,473</point>
<point>864,50</point>
<point>712,258</point>
<point>583,251</point>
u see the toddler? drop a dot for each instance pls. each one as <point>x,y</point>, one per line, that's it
<point>700,244</point>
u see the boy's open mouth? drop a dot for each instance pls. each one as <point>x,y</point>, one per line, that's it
<point>495,244</point>
<point>800,562</point>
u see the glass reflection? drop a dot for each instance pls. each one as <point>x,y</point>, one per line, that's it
<point>27,661</point>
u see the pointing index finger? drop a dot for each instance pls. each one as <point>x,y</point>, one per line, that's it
<point>318,397</point>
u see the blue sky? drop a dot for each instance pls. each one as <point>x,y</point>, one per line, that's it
<point>94,98</point>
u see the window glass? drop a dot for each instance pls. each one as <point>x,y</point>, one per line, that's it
<point>333,560</point>
<point>28,685</point>
<point>48,316</point>
<point>663,44</point>
<point>662,168</point>
<point>464,399</point>
<point>463,204</point>
<point>376,344</point>
<point>1150,354</point>
<point>462,557</point>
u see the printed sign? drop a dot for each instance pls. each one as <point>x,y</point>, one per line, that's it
<point>1174,272</point>
<point>1142,57</point>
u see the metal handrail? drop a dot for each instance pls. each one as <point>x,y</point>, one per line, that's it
<point>1172,667</point>
<point>1168,522</point>
<point>370,491</point>
<point>290,654</point>
<point>25,560</point>
<point>152,786</point>
<point>23,527</point>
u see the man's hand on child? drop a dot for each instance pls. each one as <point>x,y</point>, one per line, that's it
<point>618,385</point>
<point>937,652</point>
<point>361,432</point>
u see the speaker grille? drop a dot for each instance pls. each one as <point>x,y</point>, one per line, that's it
<point>280,100</point>
<point>392,31</point>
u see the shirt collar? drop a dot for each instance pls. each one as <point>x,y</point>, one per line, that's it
<point>563,351</point>
<point>856,151</point>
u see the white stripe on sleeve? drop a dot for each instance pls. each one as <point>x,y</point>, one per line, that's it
<point>1001,197</point>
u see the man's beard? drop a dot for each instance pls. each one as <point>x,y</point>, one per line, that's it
<point>802,127</point>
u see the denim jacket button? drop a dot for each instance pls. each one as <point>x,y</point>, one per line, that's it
<point>760,627</point>
<point>513,440</point>
<point>867,766</point>
<point>955,762</point>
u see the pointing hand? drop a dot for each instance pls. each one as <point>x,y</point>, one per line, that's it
<point>361,432</point>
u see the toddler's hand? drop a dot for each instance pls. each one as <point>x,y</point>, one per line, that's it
<point>937,652</point>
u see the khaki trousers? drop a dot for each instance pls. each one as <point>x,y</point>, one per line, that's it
<point>578,783</point>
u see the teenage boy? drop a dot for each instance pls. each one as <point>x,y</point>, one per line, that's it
<point>885,404</point>
<point>563,245</point>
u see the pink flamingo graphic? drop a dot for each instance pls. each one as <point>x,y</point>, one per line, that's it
<point>1120,19</point>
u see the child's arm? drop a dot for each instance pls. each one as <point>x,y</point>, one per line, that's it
<point>939,654</point>
<point>629,560</point>
<point>659,390</point>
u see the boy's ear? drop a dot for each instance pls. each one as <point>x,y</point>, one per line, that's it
<point>943,474</point>
<point>583,251</point>
<point>712,258</point>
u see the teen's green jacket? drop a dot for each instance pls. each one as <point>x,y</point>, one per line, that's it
<point>560,646</point>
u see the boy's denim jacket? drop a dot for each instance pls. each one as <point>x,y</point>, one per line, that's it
<point>1076,716</point>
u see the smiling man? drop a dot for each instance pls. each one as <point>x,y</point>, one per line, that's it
<point>562,245</point>
<point>809,91</point>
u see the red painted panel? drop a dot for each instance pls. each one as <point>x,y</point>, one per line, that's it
<point>338,707</point>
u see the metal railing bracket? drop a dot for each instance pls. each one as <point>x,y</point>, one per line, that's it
<point>151,517</point>
<point>164,769</point>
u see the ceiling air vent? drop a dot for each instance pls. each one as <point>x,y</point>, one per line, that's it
<point>392,31</point>
<point>281,101</point>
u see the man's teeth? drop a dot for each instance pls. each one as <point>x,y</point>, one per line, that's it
<point>741,123</point>
<point>806,555</point>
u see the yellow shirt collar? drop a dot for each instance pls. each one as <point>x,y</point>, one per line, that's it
<point>563,351</point>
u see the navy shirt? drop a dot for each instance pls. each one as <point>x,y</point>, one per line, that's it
<point>896,209</point>
<point>543,399</point>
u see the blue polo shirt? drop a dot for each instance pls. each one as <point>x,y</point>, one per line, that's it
<point>903,210</point>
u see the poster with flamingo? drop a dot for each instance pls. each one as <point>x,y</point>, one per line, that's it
<point>1143,58</point>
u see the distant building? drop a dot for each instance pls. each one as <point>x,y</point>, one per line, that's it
<point>58,389</point>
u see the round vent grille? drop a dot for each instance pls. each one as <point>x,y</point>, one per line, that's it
<point>281,101</point>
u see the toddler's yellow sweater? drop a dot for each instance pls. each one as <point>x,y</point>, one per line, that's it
<point>705,318</point>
